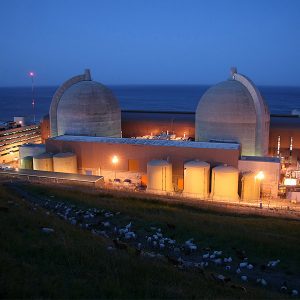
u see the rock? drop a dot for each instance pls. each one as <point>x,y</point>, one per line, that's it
<point>205,256</point>
<point>243,264</point>
<point>244,278</point>
<point>106,224</point>
<point>47,230</point>
<point>228,268</point>
<point>238,270</point>
<point>250,267</point>
<point>295,293</point>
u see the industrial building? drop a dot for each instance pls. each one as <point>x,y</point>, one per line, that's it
<point>216,152</point>
<point>13,135</point>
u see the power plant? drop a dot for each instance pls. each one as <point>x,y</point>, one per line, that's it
<point>218,157</point>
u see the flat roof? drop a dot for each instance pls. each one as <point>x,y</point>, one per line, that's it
<point>55,175</point>
<point>147,142</point>
<point>261,158</point>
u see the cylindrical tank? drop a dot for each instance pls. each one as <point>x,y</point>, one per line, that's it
<point>196,179</point>
<point>65,162</point>
<point>159,176</point>
<point>224,183</point>
<point>26,163</point>
<point>43,162</point>
<point>250,187</point>
<point>31,150</point>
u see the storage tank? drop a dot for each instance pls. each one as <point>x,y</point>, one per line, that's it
<point>31,150</point>
<point>65,162</point>
<point>196,179</point>
<point>43,162</point>
<point>250,187</point>
<point>26,163</point>
<point>224,183</point>
<point>159,176</point>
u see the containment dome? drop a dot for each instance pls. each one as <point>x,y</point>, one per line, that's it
<point>234,111</point>
<point>85,107</point>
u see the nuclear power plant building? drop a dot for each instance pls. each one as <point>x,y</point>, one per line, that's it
<point>231,136</point>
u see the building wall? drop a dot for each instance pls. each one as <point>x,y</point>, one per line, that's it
<point>147,123</point>
<point>95,156</point>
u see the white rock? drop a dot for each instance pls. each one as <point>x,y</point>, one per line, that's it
<point>106,224</point>
<point>47,230</point>
<point>161,246</point>
<point>218,261</point>
<point>128,225</point>
<point>250,267</point>
<point>212,256</point>
<point>295,293</point>
<point>228,268</point>
<point>244,278</point>
<point>205,256</point>
<point>130,235</point>
<point>243,264</point>
<point>263,282</point>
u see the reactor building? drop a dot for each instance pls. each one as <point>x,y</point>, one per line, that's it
<point>234,111</point>
<point>231,129</point>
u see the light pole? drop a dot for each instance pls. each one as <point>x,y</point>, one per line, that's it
<point>260,177</point>
<point>31,75</point>
<point>115,160</point>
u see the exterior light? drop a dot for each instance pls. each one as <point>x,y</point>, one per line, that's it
<point>115,160</point>
<point>260,176</point>
<point>31,74</point>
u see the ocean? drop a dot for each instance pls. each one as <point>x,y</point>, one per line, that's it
<point>16,101</point>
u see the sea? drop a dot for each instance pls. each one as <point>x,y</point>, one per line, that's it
<point>17,101</point>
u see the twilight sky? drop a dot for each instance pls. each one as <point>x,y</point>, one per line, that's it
<point>150,42</point>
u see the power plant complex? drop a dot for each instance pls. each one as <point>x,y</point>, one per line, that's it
<point>220,152</point>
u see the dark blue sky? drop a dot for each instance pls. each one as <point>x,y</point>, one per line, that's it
<point>153,41</point>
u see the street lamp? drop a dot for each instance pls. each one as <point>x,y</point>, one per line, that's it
<point>31,75</point>
<point>115,160</point>
<point>260,177</point>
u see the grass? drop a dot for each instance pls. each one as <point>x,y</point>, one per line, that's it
<point>72,263</point>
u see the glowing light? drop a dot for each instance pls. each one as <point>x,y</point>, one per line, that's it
<point>260,175</point>
<point>290,181</point>
<point>115,160</point>
<point>31,74</point>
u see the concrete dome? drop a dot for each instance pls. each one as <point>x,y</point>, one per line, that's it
<point>234,111</point>
<point>85,107</point>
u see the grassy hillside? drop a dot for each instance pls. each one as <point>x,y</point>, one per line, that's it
<point>73,263</point>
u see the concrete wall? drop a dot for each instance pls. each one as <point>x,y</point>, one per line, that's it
<point>95,156</point>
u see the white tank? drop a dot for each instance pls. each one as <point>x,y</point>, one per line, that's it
<point>65,162</point>
<point>31,150</point>
<point>159,176</point>
<point>43,162</point>
<point>224,183</point>
<point>26,163</point>
<point>196,179</point>
<point>250,187</point>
